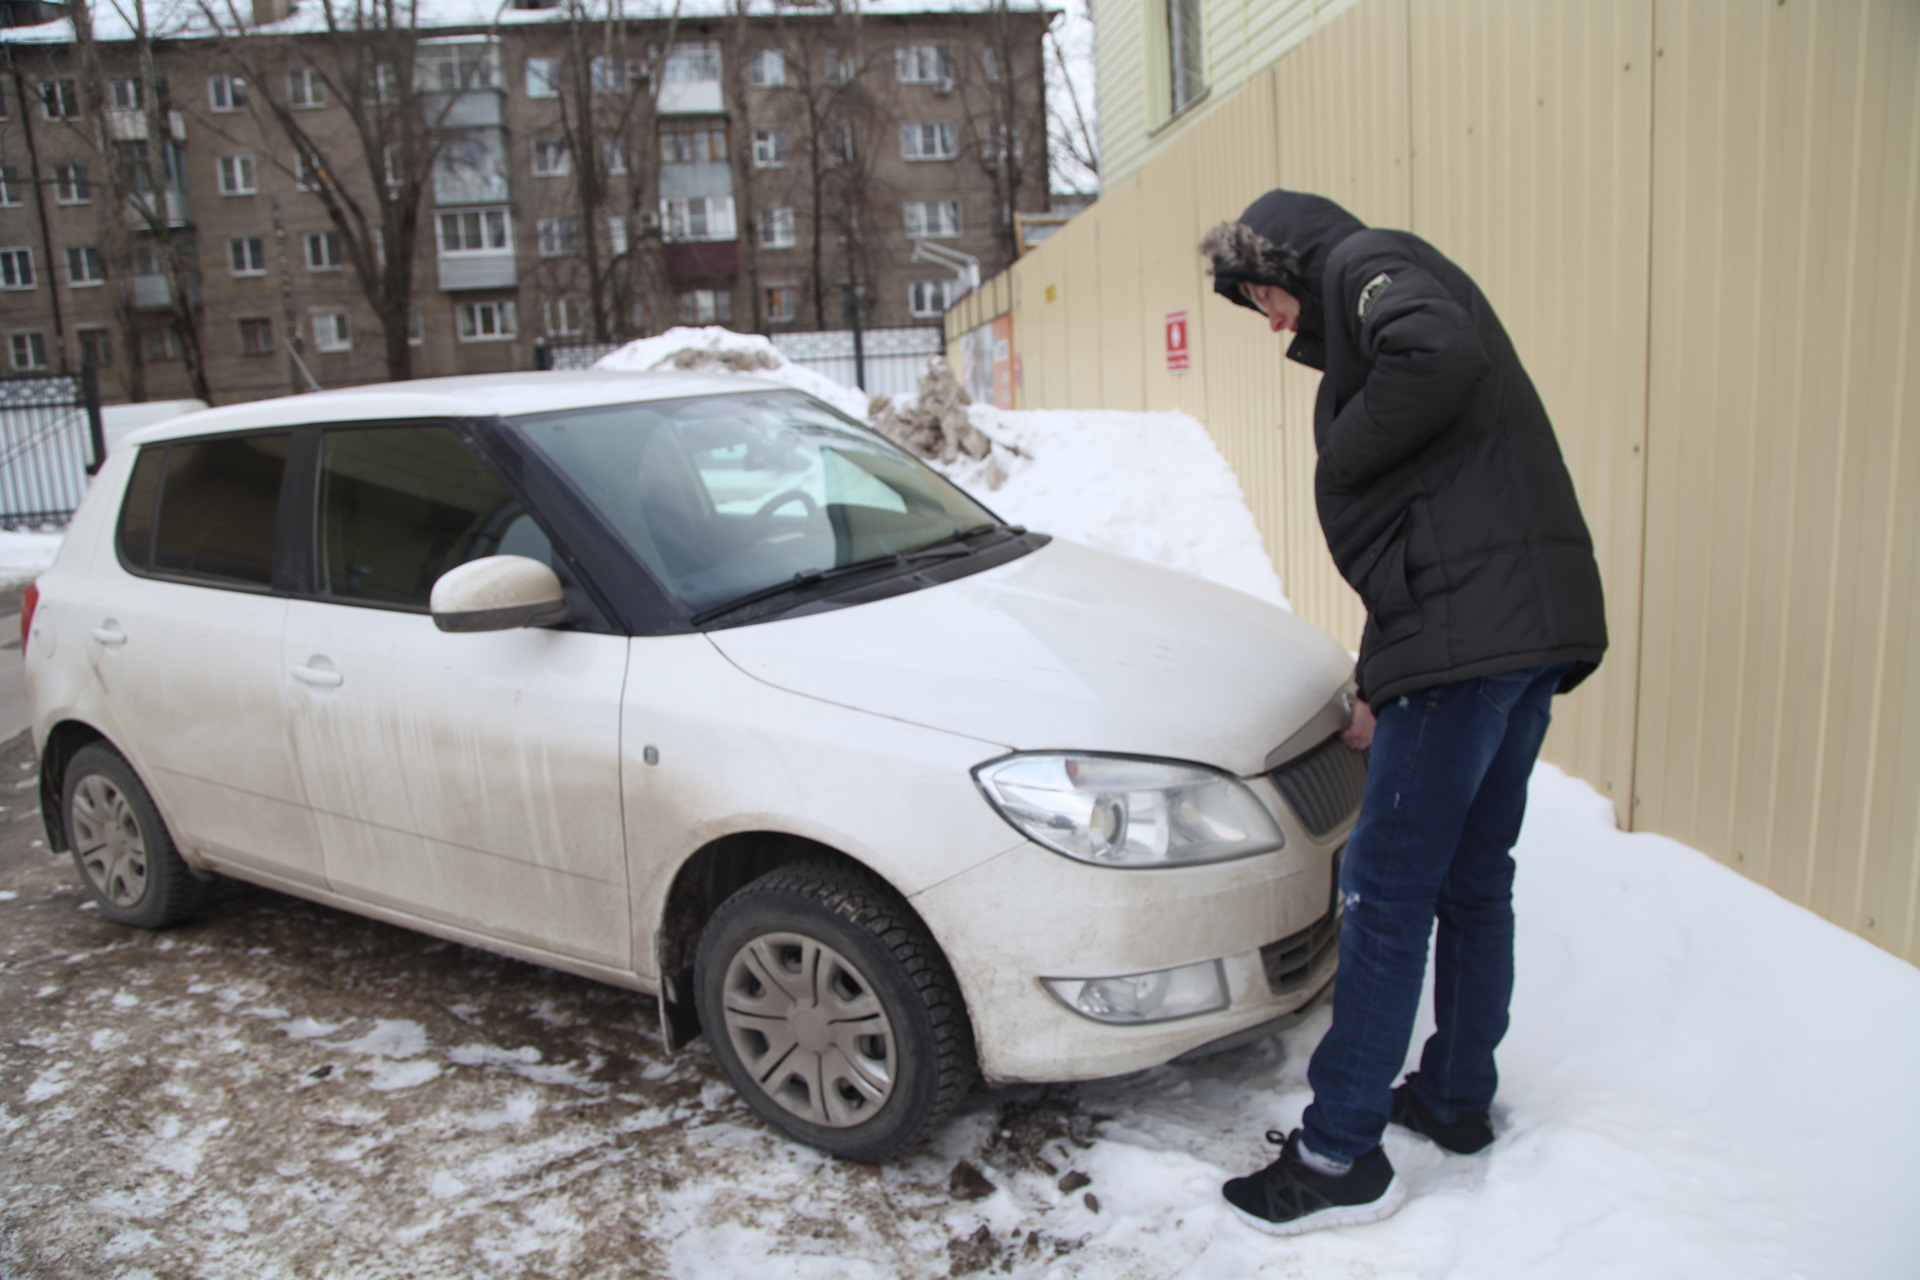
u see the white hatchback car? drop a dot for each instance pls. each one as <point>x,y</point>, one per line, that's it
<point>692,685</point>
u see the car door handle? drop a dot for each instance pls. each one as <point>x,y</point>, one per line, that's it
<point>110,634</point>
<point>323,677</point>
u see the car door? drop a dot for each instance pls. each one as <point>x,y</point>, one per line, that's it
<point>183,625</point>
<point>472,779</point>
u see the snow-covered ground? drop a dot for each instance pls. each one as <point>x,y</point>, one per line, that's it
<point>1702,1080</point>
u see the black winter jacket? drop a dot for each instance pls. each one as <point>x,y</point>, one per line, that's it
<point>1440,486</point>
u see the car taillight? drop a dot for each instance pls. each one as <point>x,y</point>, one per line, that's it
<point>28,600</point>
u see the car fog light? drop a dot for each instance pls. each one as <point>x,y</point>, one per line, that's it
<point>1159,996</point>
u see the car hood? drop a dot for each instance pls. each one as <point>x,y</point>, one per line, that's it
<point>1066,648</point>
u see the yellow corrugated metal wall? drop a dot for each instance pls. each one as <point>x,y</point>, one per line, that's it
<point>1698,220</point>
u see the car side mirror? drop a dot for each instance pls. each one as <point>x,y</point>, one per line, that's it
<point>497,593</point>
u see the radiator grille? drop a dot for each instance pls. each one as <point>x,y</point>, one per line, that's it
<point>1301,960</point>
<point>1324,786</point>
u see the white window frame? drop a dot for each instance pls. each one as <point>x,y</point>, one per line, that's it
<point>126,93</point>
<point>306,90</point>
<point>555,236</point>
<point>936,140</point>
<point>326,251</point>
<point>543,77</point>
<point>93,271</point>
<point>707,306</point>
<point>489,321</point>
<point>777,228</point>
<point>698,218</point>
<point>12,186</point>
<point>931,297</point>
<point>168,346</point>
<point>240,255</point>
<point>487,219</point>
<point>692,62</point>
<point>308,170</point>
<point>790,293</point>
<point>242,322</point>
<point>767,69</point>
<point>66,94</point>
<point>923,64</point>
<point>932,219</point>
<point>27,350</point>
<point>70,185</point>
<point>332,330</point>
<point>565,317</point>
<point>416,327</point>
<point>238,176</point>
<point>552,158</point>
<point>226,92</point>
<point>606,74</point>
<point>840,67</point>
<point>770,149</point>
<point>102,353</point>
<point>16,269</point>
<point>617,233</point>
<point>613,155</point>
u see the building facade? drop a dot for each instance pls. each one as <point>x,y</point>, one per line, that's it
<point>237,212</point>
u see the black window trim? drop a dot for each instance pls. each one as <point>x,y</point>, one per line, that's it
<point>279,586</point>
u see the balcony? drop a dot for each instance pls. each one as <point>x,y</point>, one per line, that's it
<point>691,98</point>
<point>131,126</point>
<point>470,109</point>
<point>463,271</point>
<point>153,291</point>
<point>702,259</point>
<point>140,209</point>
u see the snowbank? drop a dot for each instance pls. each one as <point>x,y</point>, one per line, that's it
<point>25,555</point>
<point>753,355</point>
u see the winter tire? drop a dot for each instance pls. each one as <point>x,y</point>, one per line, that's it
<point>832,1011</point>
<point>122,848</point>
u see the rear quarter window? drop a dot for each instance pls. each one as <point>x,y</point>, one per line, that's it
<point>206,509</point>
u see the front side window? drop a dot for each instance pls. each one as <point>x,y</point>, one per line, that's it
<point>206,509</point>
<point>399,506</point>
<point>727,495</point>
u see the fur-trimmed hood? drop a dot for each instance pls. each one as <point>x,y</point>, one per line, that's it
<point>1282,239</point>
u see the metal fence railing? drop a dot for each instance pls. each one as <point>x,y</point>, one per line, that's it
<point>887,361</point>
<point>51,443</point>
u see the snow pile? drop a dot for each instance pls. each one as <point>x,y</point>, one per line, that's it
<point>24,555</point>
<point>715,349</point>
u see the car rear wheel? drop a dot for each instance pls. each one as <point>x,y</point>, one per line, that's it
<point>125,855</point>
<point>832,1011</point>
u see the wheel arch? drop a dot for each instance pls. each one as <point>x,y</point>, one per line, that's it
<point>64,741</point>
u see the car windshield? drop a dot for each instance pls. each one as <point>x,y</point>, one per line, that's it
<point>724,497</point>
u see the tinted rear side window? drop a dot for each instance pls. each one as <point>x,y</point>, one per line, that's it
<point>218,507</point>
<point>399,506</point>
<point>136,514</point>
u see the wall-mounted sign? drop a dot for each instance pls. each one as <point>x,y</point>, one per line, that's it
<point>1176,342</point>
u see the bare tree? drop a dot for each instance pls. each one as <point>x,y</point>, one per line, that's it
<point>1073,135</point>
<point>1004,90</point>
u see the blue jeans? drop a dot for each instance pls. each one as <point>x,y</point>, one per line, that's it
<point>1446,790</point>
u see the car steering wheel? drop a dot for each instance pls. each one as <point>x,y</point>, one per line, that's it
<point>755,527</point>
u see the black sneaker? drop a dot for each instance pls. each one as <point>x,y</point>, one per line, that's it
<point>1470,1133</point>
<point>1287,1198</point>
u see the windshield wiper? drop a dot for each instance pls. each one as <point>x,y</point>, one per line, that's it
<point>952,546</point>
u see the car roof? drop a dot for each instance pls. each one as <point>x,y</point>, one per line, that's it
<point>474,396</point>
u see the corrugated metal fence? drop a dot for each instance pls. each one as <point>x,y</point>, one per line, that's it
<point>1701,224</point>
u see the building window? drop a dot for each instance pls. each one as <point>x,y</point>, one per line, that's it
<point>416,327</point>
<point>932,297</point>
<point>608,75</point>
<point>163,342</point>
<point>556,237</point>
<point>126,95</point>
<point>617,234</point>
<point>16,268</point>
<point>305,88</point>
<point>487,322</point>
<point>324,251</point>
<point>769,148</point>
<point>692,63</point>
<point>3,100</point>
<point>247,255</point>
<point>84,266</point>
<point>256,337</point>
<point>96,347</point>
<point>928,142</point>
<point>767,68</point>
<point>385,87</point>
<point>309,172</point>
<point>698,218</point>
<point>29,350</point>
<point>923,64</point>
<point>330,331</point>
<point>695,144</point>
<point>70,184</point>
<point>995,148</point>
<point>550,158</point>
<point>706,306</point>
<point>457,68</point>
<point>226,93</point>
<point>1185,59</point>
<point>990,64</point>
<point>564,317</point>
<point>236,176</point>
<point>11,187</point>
<point>776,228</point>
<point>839,144</point>
<point>475,231</point>
<point>841,68</point>
<point>779,303</point>
<point>932,218</point>
<point>543,77</point>
<point>613,155</point>
<point>59,100</point>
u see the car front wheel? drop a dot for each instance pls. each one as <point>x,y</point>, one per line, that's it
<point>832,1011</point>
<point>125,855</point>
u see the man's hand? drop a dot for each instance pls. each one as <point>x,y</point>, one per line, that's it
<point>1359,734</point>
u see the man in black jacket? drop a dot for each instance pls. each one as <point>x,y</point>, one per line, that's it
<point>1445,503</point>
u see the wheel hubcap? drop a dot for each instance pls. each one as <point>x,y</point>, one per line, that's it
<point>810,1030</point>
<point>108,840</point>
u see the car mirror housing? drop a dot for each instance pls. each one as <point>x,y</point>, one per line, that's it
<point>497,593</point>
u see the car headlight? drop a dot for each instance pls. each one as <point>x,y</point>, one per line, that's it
<point>1118,812</point>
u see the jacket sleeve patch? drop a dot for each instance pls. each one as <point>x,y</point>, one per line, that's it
<point>1372,290</point>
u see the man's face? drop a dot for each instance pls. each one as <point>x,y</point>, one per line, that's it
<point>1281,308</point>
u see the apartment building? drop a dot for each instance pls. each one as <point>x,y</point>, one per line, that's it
<point>237,212</point>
